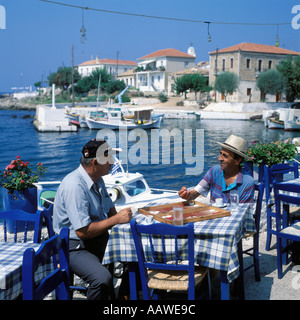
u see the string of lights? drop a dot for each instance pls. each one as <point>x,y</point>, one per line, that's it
<point>166,18</point>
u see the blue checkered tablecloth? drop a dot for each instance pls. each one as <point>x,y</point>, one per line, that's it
<point>11,259</point>
<point>215,241</point>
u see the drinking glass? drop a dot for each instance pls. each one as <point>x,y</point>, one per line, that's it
<point>234,200</point>
<point>178,216</point>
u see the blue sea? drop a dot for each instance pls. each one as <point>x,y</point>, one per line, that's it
<point>60,152</point>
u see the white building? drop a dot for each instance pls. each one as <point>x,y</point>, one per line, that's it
<point>152,71</point>
<point>113,67</point>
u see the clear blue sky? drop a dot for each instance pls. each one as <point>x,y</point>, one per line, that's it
<point>39,36</point>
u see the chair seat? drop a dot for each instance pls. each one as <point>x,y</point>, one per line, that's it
<point>174,280</point>
<point>293,229</point>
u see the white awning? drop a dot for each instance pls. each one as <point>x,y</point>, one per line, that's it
<point>147,61</point>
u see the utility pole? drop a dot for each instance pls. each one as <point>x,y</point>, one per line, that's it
<point>73,97</point>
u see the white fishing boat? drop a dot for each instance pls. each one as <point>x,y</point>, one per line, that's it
<point>116,120</point>
<point>293,125</point>
<point>275,123</point>
<point>124,188</point>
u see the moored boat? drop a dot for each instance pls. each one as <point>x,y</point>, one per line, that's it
<point>293,125</point>
<point>116,120</point>
<point>124,188</point>
<point>275,123</point>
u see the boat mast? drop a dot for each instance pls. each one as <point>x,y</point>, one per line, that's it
<point>98,94</point>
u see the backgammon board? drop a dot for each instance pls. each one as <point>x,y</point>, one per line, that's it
<point>192,211</point>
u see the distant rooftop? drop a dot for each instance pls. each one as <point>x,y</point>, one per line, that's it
<point>108,61</point>
<point>167,53</point>
<point>254,47</point>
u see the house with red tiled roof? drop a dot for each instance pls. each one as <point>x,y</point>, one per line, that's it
<point>153,69</point>
<point>247,60</point>
<point>113,66</point>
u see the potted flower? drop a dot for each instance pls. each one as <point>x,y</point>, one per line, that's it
<point>274,152</point>
<point>18,180</point>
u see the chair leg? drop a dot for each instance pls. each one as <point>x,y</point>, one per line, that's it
<point>279,258</point>
<point>256,257</point>
<point>269,232</point>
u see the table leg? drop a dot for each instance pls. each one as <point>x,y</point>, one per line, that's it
<point>132,280</point>
<point>225,286</point>
<point>240,279</point>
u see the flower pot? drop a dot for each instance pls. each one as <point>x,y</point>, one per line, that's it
<point>25,200</point>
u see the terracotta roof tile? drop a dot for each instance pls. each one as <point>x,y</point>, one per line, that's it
<point>108,61</point>
<point>254,47</point>
<point>167,53</point>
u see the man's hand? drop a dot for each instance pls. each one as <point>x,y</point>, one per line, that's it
<point>124,215</point>
<point>184,193</point>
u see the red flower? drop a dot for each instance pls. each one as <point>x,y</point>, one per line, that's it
<point>18,157</point>
<point>22,181</point>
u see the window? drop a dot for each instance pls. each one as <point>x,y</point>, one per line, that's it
<point>248,63</point>
<point>158,78</point>
<point>186,64</point>
<point>231,63</point>
<point>259,65</point>
<point>223,65</point>
<point>134,188</point>
<point>270,64</point>
<point>248,91</point>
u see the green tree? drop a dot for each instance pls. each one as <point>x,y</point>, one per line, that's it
<point>199,84</point>
<point>226,82</point>
<point>272,82</point>
<point>181,85</point>
<point>91,82</point>
<point>114,86</point>
<point>191,82</point>
<point>290,69</point>
<point>63,77</point>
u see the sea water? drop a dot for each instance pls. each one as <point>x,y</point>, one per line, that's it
<point>60,152</point>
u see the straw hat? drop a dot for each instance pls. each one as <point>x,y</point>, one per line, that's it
<point>236,145</point>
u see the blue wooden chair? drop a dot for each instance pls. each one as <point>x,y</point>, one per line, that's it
<point>272,175</point>
<point>285,194</point>
<point>254,251</point>
<point>58,279</point>
<point>47,215</point>
<point>157,272</point>
<point>14,217</point>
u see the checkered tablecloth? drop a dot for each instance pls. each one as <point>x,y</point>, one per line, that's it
<point>11,259</point>
<point>215,241</point>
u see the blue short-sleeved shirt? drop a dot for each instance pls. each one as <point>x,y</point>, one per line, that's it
<point>78,202</point>
<point>214,181</point>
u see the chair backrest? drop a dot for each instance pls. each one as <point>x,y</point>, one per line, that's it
<point>47,216</point>
<point>12,219</point>
<point>58,279</point>
<point>288,193</point>
<point>271,174</point>
<point>160,237</point>
<point>260,188</point>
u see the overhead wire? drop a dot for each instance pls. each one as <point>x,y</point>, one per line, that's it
<point>165,18</point>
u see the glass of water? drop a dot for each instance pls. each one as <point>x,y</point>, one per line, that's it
<point>234,200</point>
<point>178,215</point>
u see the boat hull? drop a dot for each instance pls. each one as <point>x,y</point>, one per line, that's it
<point>291,126</point>
<point>97,125</point>
<point>275,124</point>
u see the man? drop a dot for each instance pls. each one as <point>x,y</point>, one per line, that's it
<point>83,204</point>
<point>226,176</point>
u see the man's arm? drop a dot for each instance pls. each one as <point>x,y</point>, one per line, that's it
<point>94,229</point>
